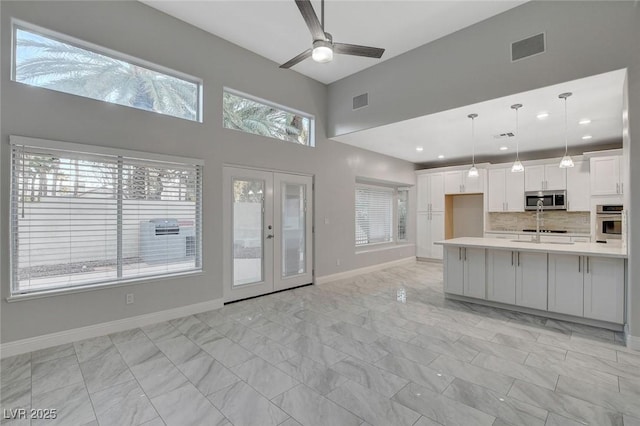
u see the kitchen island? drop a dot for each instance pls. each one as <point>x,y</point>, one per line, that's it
<point>580,282</point>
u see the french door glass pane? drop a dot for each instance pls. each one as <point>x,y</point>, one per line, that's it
<point>248,200</point>
<point>293,229</point>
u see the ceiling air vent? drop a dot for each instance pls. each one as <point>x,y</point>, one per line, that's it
<point>504,135</point>
<point>530,46</point>
<point>360,101</point>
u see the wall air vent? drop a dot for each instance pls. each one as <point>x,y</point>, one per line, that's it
<point>360,101</point>
<point>530,46</point>
<point>504,135</point>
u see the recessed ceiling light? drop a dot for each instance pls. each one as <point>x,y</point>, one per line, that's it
<point>441,156</point>
<point>419,148</point>
<point>584,121</point>
<point>585,137</point>
<point>542,115</point>
<point>504,148</point>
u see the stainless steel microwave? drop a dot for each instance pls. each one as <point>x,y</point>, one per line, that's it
<point>551,200</point>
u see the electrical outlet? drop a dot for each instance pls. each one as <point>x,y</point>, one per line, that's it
<point>337,262</point>
<point>129,298</point>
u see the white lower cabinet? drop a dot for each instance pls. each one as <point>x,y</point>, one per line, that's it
<point>531,280</point>
<point>604,289</point>
<point>566,284</point>
<point>501,276</point>
<point>588,286</point>
<point>464,271</point>
<point>517,278</point>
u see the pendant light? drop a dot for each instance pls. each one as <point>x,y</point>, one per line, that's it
<point>473,171</point>
<point>566,160</point>
<point>517,165</point>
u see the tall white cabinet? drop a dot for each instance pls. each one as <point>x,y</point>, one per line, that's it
<point>430,217</point>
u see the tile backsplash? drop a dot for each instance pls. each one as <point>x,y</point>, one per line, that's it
<point>573,222</point>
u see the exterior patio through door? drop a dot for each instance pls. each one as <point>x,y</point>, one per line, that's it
<point>268,238</point>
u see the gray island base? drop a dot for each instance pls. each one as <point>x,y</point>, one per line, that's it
<point>579,282</point>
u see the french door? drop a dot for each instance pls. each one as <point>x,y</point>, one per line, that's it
<point>268,235</point>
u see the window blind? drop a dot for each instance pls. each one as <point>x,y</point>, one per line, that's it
<point>374,215</point>
<point>83,218</point>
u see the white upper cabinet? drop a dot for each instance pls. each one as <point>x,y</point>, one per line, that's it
<point>458,182</point>
<point>606,176</point>
<point>505,191</point>
<point>578,187</point>
<point>431,192</point>
<point>545,177</point>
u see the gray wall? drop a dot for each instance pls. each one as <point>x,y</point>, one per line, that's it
<point>138,30</point>
<point>472,65</point>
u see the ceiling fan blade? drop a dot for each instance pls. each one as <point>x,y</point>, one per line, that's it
<point>310,17</point>
<point>301,57</point>
<point>356,50</point>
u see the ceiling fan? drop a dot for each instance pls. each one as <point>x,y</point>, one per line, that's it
<point>323,46</point>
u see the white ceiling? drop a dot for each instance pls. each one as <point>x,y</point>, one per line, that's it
<point>275,29</point>
<point>448,133</point>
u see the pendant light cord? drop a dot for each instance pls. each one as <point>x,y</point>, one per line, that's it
<point>566,129</point>
<point>517,137</point>
<point>473,141</point>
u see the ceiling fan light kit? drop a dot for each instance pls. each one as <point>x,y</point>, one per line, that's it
<point>322,51</point>
<point>323,47</point>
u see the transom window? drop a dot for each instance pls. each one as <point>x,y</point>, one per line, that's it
<point>253,115</point>
<point>58,62</point>
<point>83,215</point>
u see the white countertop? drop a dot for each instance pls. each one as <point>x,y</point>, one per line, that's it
<point>579,249</point>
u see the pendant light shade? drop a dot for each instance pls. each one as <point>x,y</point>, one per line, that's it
<point>566,160</point>
<point>517,165</point>
<point>473,171</point>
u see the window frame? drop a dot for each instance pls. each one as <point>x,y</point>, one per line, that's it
<point>397,220</point>
<point>311,117</point>
<point>17,24</point>
<point>88,150</point>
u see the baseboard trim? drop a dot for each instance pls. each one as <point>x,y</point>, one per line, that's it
<point>22,346</point>
<point>633,342</point>
<point>355,272</point>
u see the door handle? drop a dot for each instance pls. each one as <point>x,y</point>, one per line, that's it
<point>465,254</point>
<point>579,261</point>
<point>269,236</point>
<point>587,264</point>
<point>617,188</point>
<point>511,258</point>
<point>459,253</point>
<point>518,258</point>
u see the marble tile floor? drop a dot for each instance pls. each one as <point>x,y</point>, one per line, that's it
<point>383,348</point>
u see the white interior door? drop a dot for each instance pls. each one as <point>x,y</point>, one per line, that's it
<point>267,233</point>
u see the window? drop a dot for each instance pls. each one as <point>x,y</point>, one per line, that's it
<point>54,61</point>
<point>84,215</point>
<point>253,115</point>
<point>403,206</point>
<point>374,214</point>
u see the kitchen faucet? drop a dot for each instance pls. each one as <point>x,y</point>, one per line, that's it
<point>539,211</point>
